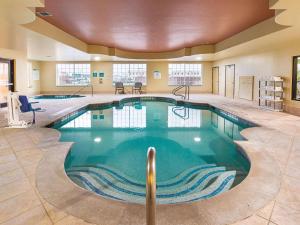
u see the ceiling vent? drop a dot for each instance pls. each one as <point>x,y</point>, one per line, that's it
<point>43,13</point>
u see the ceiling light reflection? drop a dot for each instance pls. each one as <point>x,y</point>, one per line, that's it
<point>97,139</point>
<point>197,139</point>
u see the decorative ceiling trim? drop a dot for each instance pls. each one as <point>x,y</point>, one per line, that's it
<point>19,11</point>
<point>287,12</point>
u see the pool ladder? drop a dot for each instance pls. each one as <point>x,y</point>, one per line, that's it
<point>186,95</point>
<point>151,187</point>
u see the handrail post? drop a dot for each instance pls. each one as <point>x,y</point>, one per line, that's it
<point>151,187</point>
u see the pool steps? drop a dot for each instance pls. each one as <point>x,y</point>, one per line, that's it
<point>196,183</point>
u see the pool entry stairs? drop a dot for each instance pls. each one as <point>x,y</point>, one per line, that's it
<point>196,183</point>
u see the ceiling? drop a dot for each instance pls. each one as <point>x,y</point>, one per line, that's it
<point>155,25</point>
<point>42,48</point>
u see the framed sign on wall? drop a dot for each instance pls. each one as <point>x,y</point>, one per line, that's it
<point>157,75</point>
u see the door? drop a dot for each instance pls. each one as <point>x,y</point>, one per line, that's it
<point>229,80</point>
<point>215,80</point>
<point>6,79</point>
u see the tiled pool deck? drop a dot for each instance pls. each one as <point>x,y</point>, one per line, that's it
<point>35,190</point>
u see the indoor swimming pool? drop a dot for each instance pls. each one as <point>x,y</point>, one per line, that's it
<point>57,96</point>
<point>196,157</point>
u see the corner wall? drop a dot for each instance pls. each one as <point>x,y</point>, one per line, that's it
<point>13,46</point>
<point>264,63</point>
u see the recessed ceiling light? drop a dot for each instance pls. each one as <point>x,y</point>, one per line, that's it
<point>199,58</point>
<point>197,139</point>
<point>43,13</point>
<point>97,139</point>
<point>97,58</point>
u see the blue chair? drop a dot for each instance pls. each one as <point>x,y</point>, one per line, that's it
<point>27,106</point>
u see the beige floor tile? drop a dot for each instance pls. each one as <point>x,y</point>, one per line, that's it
<point>13,189</point>
<point>30,160</point>
<point>294,162</point>
<point>286,214</point>
<point>28,152</point>
<point>35,216</point>
<point>18,205</point>
<point>253,220</point>
<point>7,158</point>
<point>54,213</point>
<point>289,191</point>
<point>11,176</point>
<point>4,143</point>
<point>21,144</point>
<point>10,166</point>
<point>71,220</point>
<point>30,170</point>
<point>6,151</point>
<point>32,180</point>
<point>266,211</point>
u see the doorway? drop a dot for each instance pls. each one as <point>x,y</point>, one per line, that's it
<point>230,80</point>
<point>6,79</point>
<point>215,80</point>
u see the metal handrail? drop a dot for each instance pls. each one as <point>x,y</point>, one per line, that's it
<point>78,91</point>
<point>151,187</point>
<point>186,91</point>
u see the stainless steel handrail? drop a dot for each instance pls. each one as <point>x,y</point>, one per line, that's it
<point>151,187</point>
<point>78,91</point>
<point>186,91</point>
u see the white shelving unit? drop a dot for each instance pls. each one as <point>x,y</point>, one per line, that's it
<point>271,94</point>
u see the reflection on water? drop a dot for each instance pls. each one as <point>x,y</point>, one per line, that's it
<point>225,126</point>
<point>180,116</point>
<point>82,121</point>
<point>135,116</point>
<point>129,117</point>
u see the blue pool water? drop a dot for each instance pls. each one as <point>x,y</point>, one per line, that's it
<point>57,96</point>
<point>196,157</point>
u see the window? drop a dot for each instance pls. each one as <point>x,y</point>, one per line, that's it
<point>296,78</point>
<point>185,74</point>
<point>128,74</point>
<point>73,74</point>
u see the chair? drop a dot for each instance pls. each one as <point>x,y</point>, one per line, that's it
<point>137,87</point>
<point>26,106</point>
<point>119,88</point>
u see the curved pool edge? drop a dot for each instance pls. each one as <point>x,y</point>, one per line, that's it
<point>236,204</point>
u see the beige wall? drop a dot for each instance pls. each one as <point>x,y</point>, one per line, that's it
<point>262,64</point>
<point>21,76</point>
<point>13,46</point>
<point>48,78</point>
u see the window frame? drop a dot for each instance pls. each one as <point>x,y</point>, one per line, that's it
<point>178,63</point>
<point>129,67</point>
<point>294,78</point>
<point>72,85</point>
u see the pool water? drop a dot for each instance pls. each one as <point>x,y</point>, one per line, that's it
<point>196,157</point>
<point>57,96</point>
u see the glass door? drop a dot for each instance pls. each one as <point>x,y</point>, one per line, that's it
<point>6,79</point>
<point>296,78</point>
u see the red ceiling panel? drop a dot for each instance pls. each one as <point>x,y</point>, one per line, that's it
<point>155,25</point>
